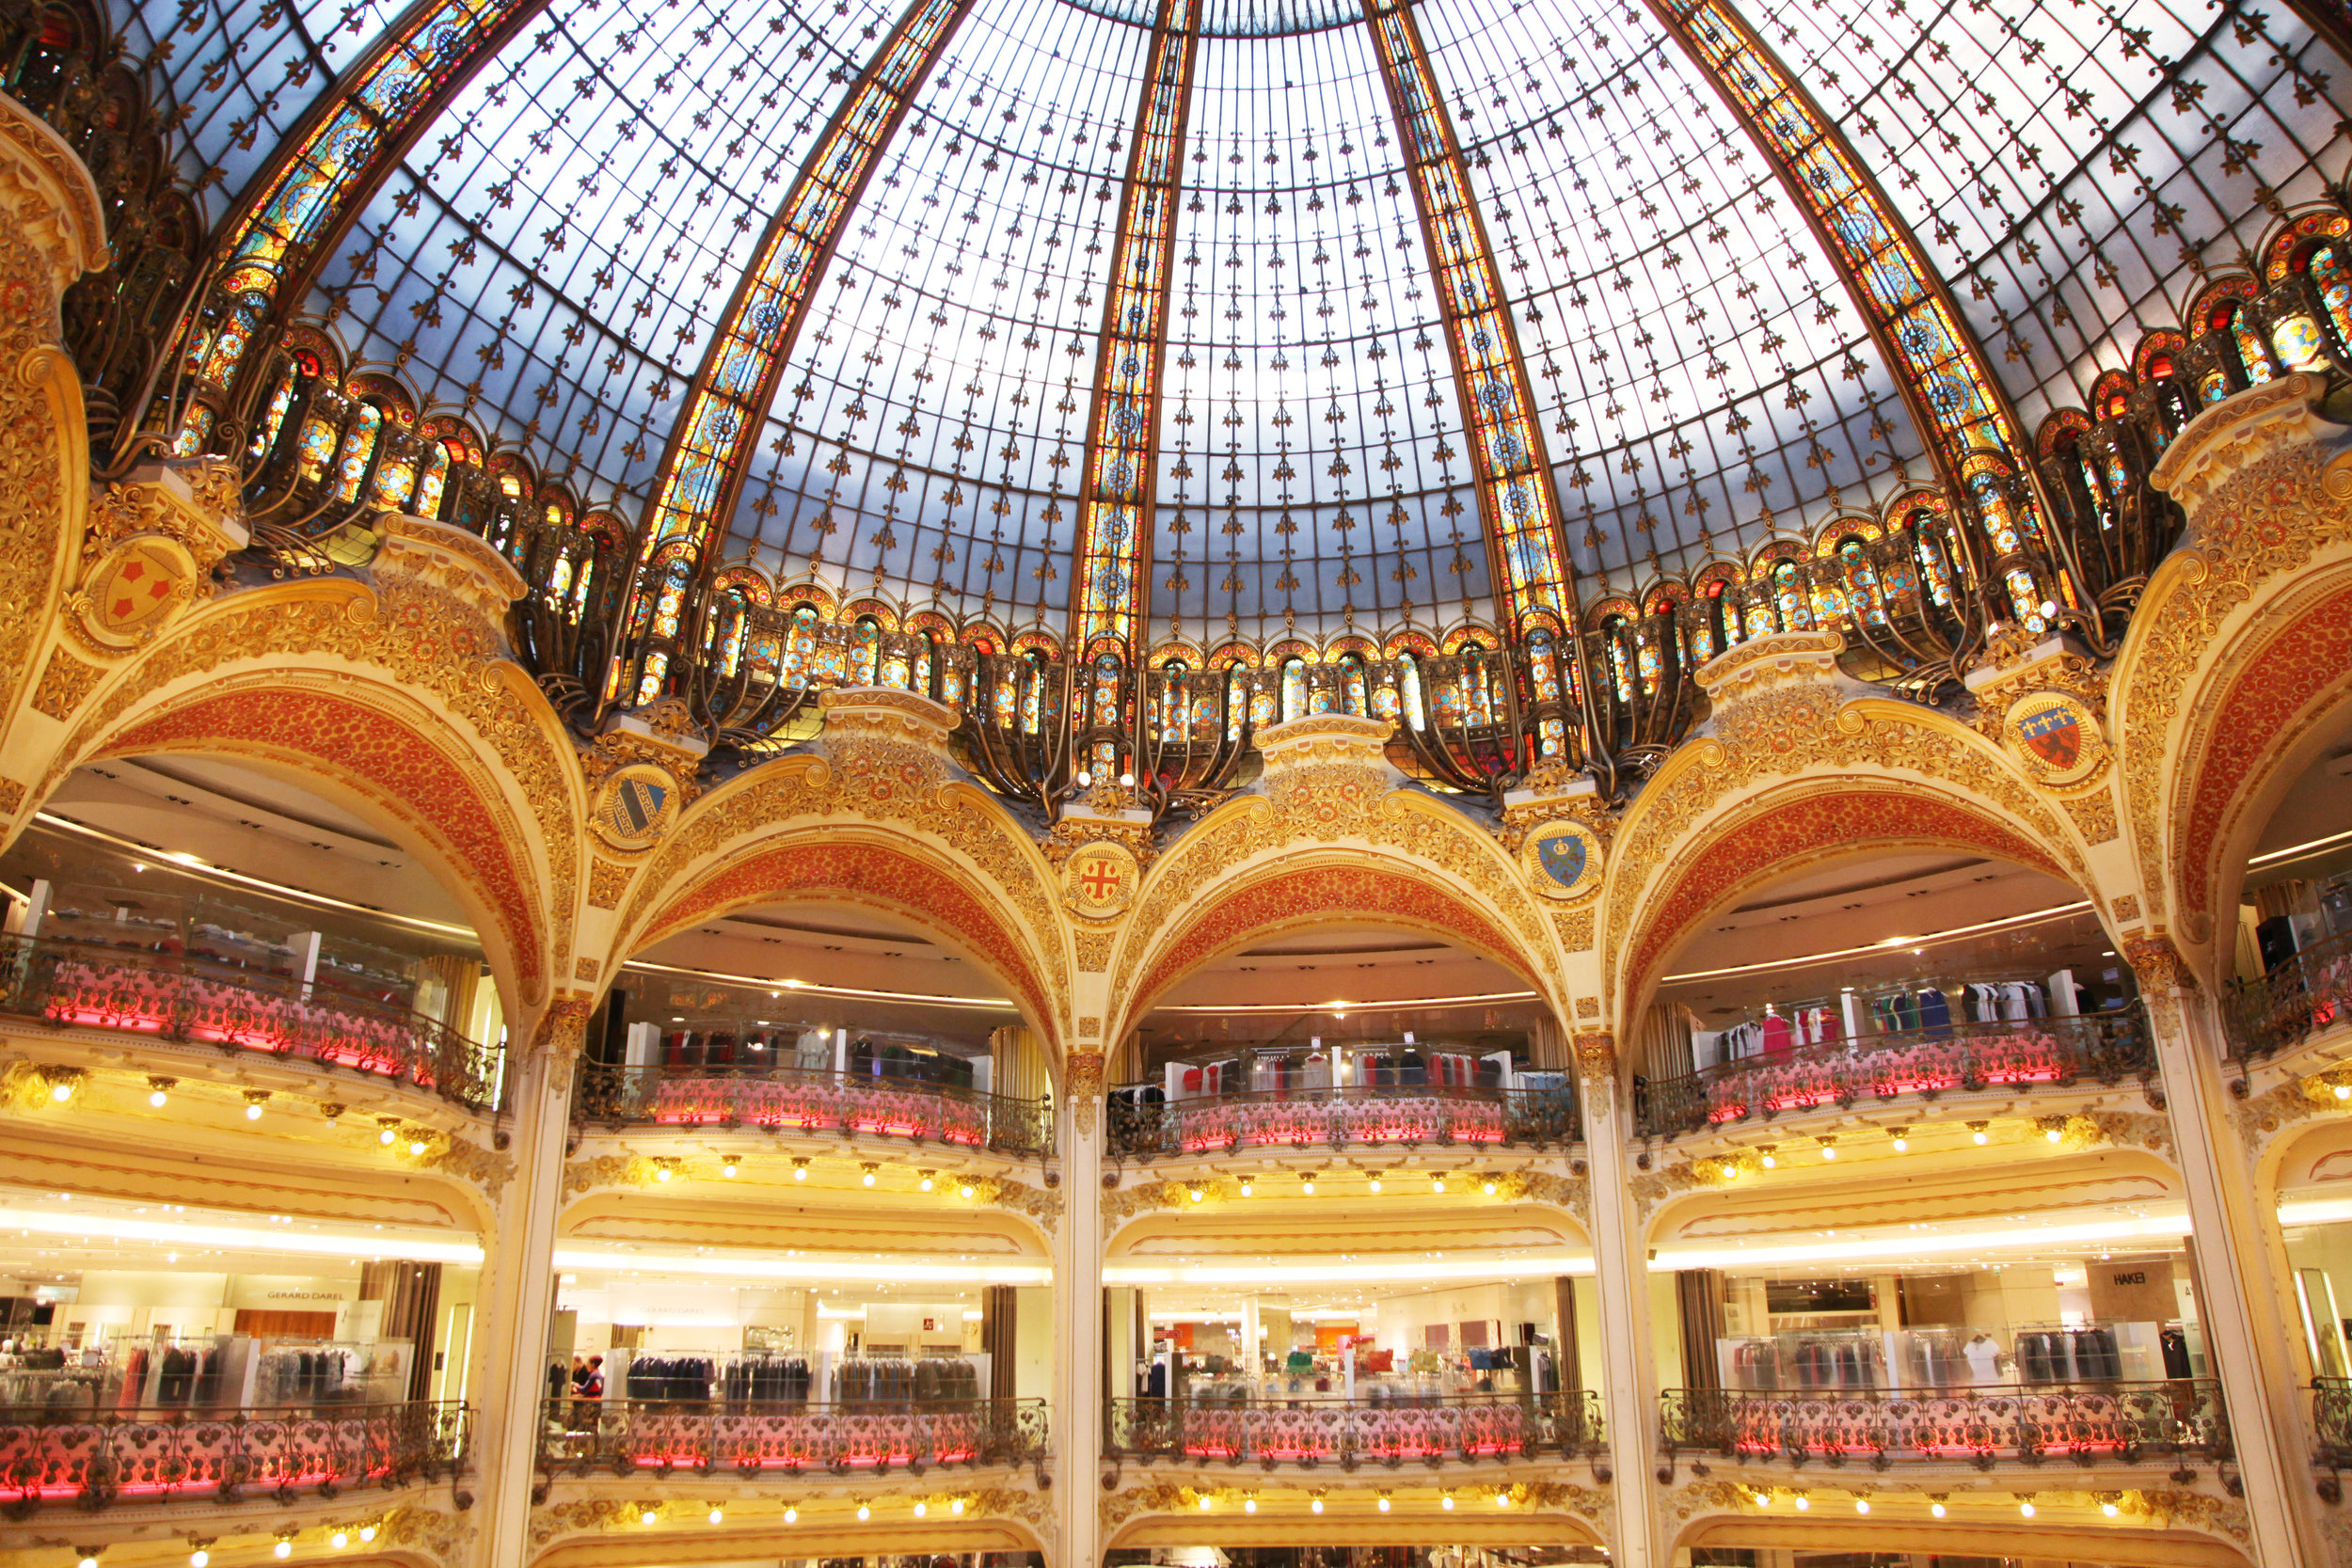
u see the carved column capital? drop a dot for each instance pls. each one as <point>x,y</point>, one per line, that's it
<point>1595,1053</point>
<point>1083,1086</point>
<point>2159,964</point>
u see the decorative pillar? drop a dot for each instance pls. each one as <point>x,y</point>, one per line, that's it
<point>518,1288</point>
<point>2248,1332</point>
<point>1628,1380</point>
<point>1079,1399</point>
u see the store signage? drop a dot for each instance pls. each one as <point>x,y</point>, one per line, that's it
<point>2132,1290</point>
<point>306,1295</point>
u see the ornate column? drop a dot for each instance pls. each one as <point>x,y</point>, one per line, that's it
<point>518,1287</point>
<point>1628,1381</point>
<point>1077,1415</point>
<point>2248,1326</point>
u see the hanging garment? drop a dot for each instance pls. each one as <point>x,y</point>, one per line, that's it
<point>1935,1014</point>
<point>1778,1036</point>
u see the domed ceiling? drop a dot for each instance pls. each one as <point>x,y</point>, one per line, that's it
<point>555,253</point>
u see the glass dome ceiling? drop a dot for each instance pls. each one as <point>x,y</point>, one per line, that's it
<point>552,256</point>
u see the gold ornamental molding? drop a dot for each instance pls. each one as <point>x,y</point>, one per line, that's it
<point>50,194</point>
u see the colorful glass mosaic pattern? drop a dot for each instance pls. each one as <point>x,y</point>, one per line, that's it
<point>1886,271</point>
<point>316,186</point>
<point>714,435</point>
<point>1126,402</point>
<point>1514,473</point>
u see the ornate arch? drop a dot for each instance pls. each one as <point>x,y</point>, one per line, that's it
<point>1798,824</point>
<point>2261,708</point>
<point>948,854</point>
<point>1802,765</point>
<point>1295,894</point>
<point>1331,819</point>
<point>2266,484</point>
<point>397,694</point>
<point>390,758</point>
<point>880,867</point>
<point>2169,1528</point>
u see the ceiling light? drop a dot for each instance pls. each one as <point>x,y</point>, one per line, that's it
<point>418,1146</point>
<point>1981,1132</point>
<point>1761,1499</point>
<point>1206,1502</point>
<point>62,1090</point>
<point>1803,1502</point>
<point>966,1190</point>
<point>1503,1497</point>
<point>367,1533</point>
<point>159,1091</point>
<point>1445,1501</point>
<point>1384,1502</point>
<point>1770,1159</point>
<point>662,1173</point>
<point>1829,1145</point>
<point>728,1164</point>
<point>2053,1135</point>
<point>1376,1183</point>
<point>1250,1505</point>
<point>800,1169</point>
<point>1314,1505</point>
<point>955,1505</point>
<point>1937,1508</point>
<point>1249,1187</point>
<point>648,1516</point>
<point>2344,1091</point>
<point>863,1514</point>
<point>254,1100</point>
<point>2110,1509</point>
<point>921,1508</point>
<point>390,1130</point>
<point>1489,1186</point>
<point>200,1557</point>
<point>1437,1183</point>
<point>2024,1509</point>
<point>1862,1505</point>
<point>340,1539</point>
<point>925,1183</point>
<point>791,1515</point>
<point>1307,1184</point>
<point>1901,1137</point>
<point>1195,1193</point>
<point>282,1549</point>
<point>869,1168</point>
<point>718,1515</point>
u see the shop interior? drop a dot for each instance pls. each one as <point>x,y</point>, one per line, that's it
<point>1468,1334</point>
<point>724,1333</point>
<point>110,1306</point>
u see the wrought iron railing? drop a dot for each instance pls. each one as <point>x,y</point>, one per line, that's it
<point>1961,1058</point>
<point>2107,1422</point>
<point>632,1437</point>
<point>2331,1422</point>
<point>2294,1002</point>
<point>193,999</point>
<point>820,1100</point>
<point>1339,1117</point>
<point>1434,1430</point>
<point>133,1457</point>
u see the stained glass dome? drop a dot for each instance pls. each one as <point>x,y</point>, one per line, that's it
<point>1711,250</point>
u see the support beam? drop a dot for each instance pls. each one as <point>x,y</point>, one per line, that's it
<point>1954,400</point>
<point>1112,599</point>
<point>702,468</point>
<point>296,210</point>
<point>1516,502</point>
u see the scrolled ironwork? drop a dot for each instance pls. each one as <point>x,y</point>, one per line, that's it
<point>1959,1057</point>
<point>626,1438</point>
<point>2121,1423</point>
<point>2332,1421</point>
<point>185,999</point>
<point>2280,1010</point>
<point>815,1101</point>
<point>1340,1116</point>
<point>102,1459</point>
<point>1312,1429</point>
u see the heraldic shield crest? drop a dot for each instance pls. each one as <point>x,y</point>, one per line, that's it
<point>2057,737</point>
<point>1561,859</point>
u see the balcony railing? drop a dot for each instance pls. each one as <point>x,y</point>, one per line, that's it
<point>95,1461</point>
<point>2112,1422</point>
<point>194,1000</point>
<point>815,1099</point>
<point>2331,1422</point>
<point>1960,1056</point>
<point>627,1438</point>
<point>2293,1002</point>
<point>1434,1430</point>
<point>1340,1116</point>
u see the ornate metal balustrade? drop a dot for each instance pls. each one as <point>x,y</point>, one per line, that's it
<point>1350,1433</point>
<point>2042,1052</point>
<point>241,1009</point>
<point>136,1457</point>
<point>815,1101</point>
<point>2331,1422</point>
<point>2302,996</point>
<point>1339,1118</point>
<point>2104,1423</point>
<point>627,1438</point>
